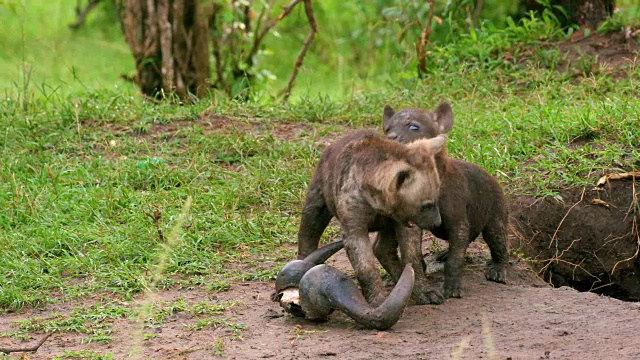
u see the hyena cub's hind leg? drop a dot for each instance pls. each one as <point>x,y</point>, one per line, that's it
<point>495,235</point>
<point>386,250</point>
<point>315,218</point>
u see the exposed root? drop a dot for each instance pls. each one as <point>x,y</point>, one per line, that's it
<point>33,348</point>
<point>555,234</point>
<point>633,209</point>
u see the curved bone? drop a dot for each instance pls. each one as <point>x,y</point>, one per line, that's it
<point>293,271</point>
<point>321,255</point>
<point>324,289</point>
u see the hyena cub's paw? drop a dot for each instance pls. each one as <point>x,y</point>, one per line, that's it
<point>452,291</point>
<point>428,296</point>
<point>497,273</point>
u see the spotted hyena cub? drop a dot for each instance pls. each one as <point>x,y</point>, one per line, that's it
<point>370,183</point>
<point>471,201</point>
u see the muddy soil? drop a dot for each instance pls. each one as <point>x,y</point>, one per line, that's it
<point>524,319</point>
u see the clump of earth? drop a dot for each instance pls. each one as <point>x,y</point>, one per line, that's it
<point>587,238</point>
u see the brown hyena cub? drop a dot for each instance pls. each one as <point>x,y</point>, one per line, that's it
<point>374,184</point>
<point>471,201</point>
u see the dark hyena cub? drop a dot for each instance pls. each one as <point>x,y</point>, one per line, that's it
<point>471,201</point>
<point>370,183</point>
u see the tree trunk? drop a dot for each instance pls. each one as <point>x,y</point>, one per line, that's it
<point>169,40</point>
<point>582,12</point>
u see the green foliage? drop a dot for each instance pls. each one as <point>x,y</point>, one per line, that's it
<point>83,354</point>
<point>237,29</point>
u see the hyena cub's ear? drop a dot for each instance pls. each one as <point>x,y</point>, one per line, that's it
<point>387,114</point>
<point>421,150</point>
<point>401,176</point>
<point>431,146</point>
<point>444,117</point>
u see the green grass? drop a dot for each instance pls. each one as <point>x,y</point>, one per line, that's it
<point>79,176</point>
<point>83,354</point>
<point>97,321</point>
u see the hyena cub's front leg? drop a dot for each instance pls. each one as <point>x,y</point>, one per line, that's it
<point>360,254</point>
<point>411,253</point>
<point>458,244</point>
<point>386,249</point>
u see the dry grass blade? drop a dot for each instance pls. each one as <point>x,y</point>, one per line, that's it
<point>600,202</point>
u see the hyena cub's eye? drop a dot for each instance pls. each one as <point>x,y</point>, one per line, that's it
<point>427,206</point>
<point>414,127</point>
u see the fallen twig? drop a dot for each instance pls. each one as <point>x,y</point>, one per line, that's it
<point>600,202</point>
<point>33,348</point>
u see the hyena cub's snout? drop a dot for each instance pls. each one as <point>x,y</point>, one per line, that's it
<point>423,192</point>
<point>429,216</point>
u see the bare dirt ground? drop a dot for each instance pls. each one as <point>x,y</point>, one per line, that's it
<point>525,319</point>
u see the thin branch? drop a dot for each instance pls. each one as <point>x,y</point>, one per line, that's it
<point>287,9</point>
<point>634,225</point>
<point>155,217</point>
<point>217,55</point>
<point>260,33</point>
<point>476,11</point>
<point>312,32</point>
<point>33,348</point>
<point>422,42</point>
<point>82,13</point>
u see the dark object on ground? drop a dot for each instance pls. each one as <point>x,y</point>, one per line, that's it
<point>33,348</point>
<point>471,201</point>
<point>588,240</point>
<point>307,288</point>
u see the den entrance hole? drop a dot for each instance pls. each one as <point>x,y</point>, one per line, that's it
<point>587,238</point>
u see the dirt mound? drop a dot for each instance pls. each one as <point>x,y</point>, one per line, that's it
<point>586,52</point>
<point>615,49</point>
<point>588,240</point>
